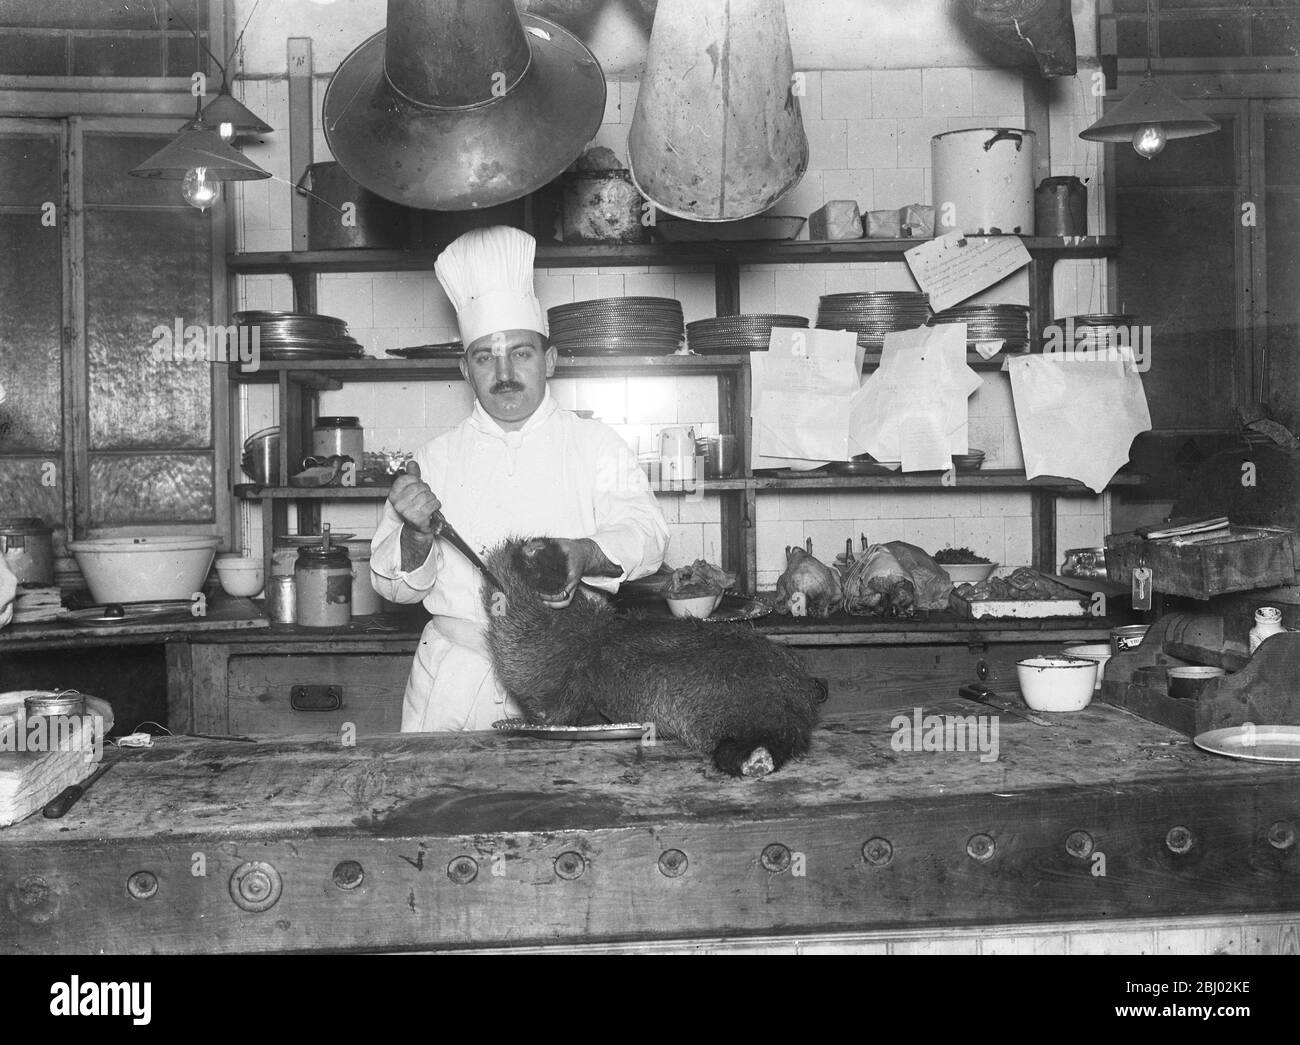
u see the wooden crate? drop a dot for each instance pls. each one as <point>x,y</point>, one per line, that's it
<point>1242,559</point>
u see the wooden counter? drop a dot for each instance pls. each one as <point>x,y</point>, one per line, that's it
<point>446,841</point>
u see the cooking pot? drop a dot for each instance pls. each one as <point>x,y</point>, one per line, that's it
<point>341,214</point>
<point>984,181</point>
<point>27,545</point>
<point>261,461</point>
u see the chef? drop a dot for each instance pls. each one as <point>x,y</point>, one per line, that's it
<point>517,466</point>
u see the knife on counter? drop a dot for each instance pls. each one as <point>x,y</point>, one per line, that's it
<point>981,694</point>
<point>60,804</point>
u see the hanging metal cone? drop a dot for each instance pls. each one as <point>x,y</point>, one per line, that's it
<point>461,104</point>
<point>200,147</point>
<point>1150,103</point>
<point>717,134</point>
<point>224,109</point>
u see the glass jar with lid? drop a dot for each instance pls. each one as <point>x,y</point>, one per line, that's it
<point>338,435</point>
<point>323,582</point>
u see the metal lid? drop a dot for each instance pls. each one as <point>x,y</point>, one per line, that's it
<point>312,555</point>
<point>338,422</point>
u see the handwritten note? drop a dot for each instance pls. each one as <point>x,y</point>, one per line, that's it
<point>954,267</point>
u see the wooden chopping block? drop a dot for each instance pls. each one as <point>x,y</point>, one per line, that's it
<point>838,219</point>
<point>29,779</point>
<point>1263,692</point>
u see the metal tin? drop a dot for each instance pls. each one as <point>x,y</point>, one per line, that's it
<point>282,599</point>
<point>1061,207</point>
<point>1084,562</point>
<point>339,435</point>
<point>324,580</point>
<point>365,600</point>
<point>61,702</point>
<point>1129,637</point>
<point>984,181</point>
<point>27,545</point>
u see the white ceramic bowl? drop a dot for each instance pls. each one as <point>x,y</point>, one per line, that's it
<point>1098,651</point>
<point>241,575</point>
<point>1056,682</point>
<point>700,607</point>
<point>969,572</point>
<point>144,569</point>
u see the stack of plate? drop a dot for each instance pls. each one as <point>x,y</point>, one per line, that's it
<point>633,326</point>
<point>732,334</point>
<point>37,602</point>
<point>300,335</point>
<point>873,315</point>
<point>1009,323</point>
<point>971,461</point>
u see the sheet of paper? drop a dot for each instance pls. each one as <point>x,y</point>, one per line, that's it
<point>954,267</point>
<point>809,381</point>
<point>925,443</point>
<point>757,362</point>
<point>1077,418</point>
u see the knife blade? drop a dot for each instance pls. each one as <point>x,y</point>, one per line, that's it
<point>981,694</point>
<point>442,528</point>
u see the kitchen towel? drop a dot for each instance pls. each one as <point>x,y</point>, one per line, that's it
<point>1077,417</point>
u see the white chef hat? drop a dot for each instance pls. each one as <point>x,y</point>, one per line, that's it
<point>488,275</point>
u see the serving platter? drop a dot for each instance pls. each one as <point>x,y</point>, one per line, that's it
<point>518,727</point>
<point>1253,743</point>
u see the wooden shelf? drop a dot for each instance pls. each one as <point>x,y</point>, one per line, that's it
<point>766,252</point>
<point>985,479</point>
<point>328,372</point>
<point>254,492</point>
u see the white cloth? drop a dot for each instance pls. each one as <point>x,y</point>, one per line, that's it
<point>8,590</point>
<point>488,276</point>
<point>558,476</point>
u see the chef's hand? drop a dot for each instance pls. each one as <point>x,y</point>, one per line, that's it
<point>413,500</point>
<point>585,560</point>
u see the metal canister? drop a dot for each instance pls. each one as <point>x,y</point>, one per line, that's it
<point>60,702</point>
<point>282,599</point>
<point>1061,207</point>
<point>27,545</point>
<point>984,181</point>
<point>339,435</point>
<point>1128,637</point>
<point>365,600</point>
<point>323,576</point>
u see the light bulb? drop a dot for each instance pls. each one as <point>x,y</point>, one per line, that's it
<point>226,132</point>
<point>200,191</point>
<point>1149,140</point>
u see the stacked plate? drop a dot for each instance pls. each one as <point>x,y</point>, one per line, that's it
<point>732,334</point>
<point>872,315</point>
<point>300,335</point>
<point>632,326</point>
<point>972,461</point>
<point>1009,323</point>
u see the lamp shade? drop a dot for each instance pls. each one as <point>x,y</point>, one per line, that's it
<point>199,147</point>
<point>224,109</point>
<point>1150,104</point>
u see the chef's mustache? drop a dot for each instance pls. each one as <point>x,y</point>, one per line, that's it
<point>506,386</point>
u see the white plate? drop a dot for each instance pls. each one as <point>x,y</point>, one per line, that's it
<point>605,731</point>
<point>1256,743</point>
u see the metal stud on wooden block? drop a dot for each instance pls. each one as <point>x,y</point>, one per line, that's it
<point>142,885</point>
<point>1079,844</point>
<point>463,870</point>
<point>672,863</point>
<point>1180,840</point>
<point>570,866</point>
<point>980,847</point>
<point>348,874</point>
<point>877,851</point>
<point>775,858</point>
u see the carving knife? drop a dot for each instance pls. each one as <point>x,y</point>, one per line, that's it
<point>442,528</point>
<point>69,796</point>
<point>983,695</point>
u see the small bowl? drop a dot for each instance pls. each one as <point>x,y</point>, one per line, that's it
<point>1056,682</point>
<point>1186,683</point>
<point>969,572</point>
<point>240,575</point>
<point>1098,651</point>
<point>700,607</point>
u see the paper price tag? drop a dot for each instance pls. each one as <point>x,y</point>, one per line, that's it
<point>1142,588</point>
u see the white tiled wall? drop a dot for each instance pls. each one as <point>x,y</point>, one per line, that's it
<point>869,137</point>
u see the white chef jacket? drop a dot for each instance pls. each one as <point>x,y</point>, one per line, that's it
<point>558,476</point>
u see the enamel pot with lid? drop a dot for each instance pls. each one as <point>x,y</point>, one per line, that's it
<point>27,545</point>
<point>984,181</point>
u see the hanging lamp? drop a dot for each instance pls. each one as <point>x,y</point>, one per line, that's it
<point>1150,116</point>
<point>201,161</point>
